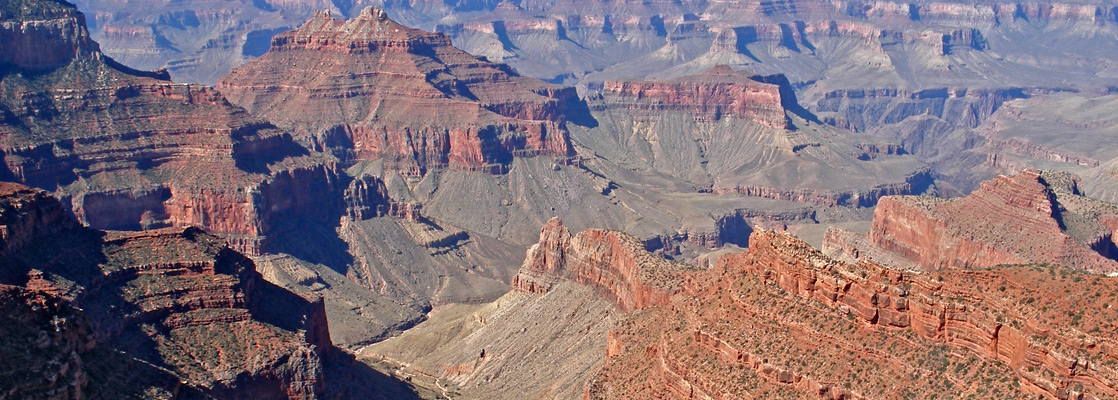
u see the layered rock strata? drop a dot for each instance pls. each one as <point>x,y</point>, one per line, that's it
<point>132,150</point>
<point>1030,217</point>
<point>734,132</point>
<point>783,320</point>
<point>614,263</point>
<point>402,95</point>
<point>708,96</point>
<point>192,313</point>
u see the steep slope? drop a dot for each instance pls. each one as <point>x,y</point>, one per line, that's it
<point>568,293</point>
<point>1030,217</point>
<point>132,150</point>
<point>373,89</point>
<point>522,345</point>
<point>782,320</point>
<point>730,132</point>
<point>191,313</point>
<point>614,263</point>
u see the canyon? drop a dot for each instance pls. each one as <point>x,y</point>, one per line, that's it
<point>924,75</point>
<point>309,189</point>
<point>557,199</point>
<point>779,319</point>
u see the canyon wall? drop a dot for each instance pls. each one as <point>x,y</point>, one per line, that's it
<point>728,131</point>
<point>768,321</point>
<point>131,150</point>
<point>717,92</point>
<point>198,309</point>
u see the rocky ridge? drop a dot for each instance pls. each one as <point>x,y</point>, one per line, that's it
<point>614,263</point>
<point>193,313</point>
<point>1030,217</point>
<point>879,332</point>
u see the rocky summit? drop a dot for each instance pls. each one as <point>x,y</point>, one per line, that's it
<point>522,199</point>
<point>371,88</point>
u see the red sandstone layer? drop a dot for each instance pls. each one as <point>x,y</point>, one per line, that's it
<point>714,94</point>
<point>613,262</point>
<point>131,150</point>
<point>1008,220</point>
<point>203,310</point>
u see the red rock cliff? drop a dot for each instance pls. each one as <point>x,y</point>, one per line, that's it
<point>783,320</point>
<point>204,311</point>
<point>28,214</point>
<point>613,262</point>
<point>130,150</point>
<point>714,94</point>
<point>1008,220</point>
<point>38,35</point>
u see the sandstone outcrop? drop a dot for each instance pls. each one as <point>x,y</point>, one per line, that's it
<point>370,88</point>
<point>614,263</point>
<point>783,320</point>
<point>1032,217</point>
<point>194,314</point>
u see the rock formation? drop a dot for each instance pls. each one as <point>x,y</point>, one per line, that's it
<point>1032,217</point>
<point>44,340</point>
<point>614,263</point>
<point>923,74</point>
<point>783,320</point>
<point>370,88</point>
<point>192,314</point>
<point>710,95</point>
<point>132,150</point>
